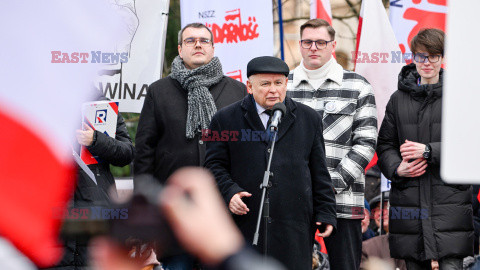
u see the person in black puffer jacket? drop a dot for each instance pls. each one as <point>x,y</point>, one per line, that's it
<point>429,219</point>
<point>118,151</point>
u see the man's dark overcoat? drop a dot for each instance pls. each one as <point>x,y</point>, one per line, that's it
<point>301,192</point>
<point>161,144</point>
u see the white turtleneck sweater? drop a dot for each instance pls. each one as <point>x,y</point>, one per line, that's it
<point>318,76</point>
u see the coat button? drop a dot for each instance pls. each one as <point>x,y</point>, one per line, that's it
<point>200,142</point>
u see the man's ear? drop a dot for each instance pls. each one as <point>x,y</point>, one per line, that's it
<point>180,50</point>
<point>249,86</point>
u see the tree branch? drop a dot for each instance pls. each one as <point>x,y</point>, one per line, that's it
<point>352,7</point>
<point>307,18</point>
<point>292,20</point>
<point>354,36</point>
<point>343,17</point>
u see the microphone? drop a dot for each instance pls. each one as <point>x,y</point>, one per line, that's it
<point>279,110</point>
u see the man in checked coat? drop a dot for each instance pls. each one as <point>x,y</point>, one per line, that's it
<point>347,104</point>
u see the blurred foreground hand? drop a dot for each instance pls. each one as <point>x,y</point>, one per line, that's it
<point>198,216</point>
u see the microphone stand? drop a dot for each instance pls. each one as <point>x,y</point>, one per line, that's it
<point>264,203</point>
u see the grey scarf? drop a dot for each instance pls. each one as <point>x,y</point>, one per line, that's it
<point>201,106</point>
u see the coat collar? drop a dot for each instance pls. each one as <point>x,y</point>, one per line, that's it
<point>250,113</point>
<point>253,120</point>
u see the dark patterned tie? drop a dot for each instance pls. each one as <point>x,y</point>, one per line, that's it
<point>269,112</point>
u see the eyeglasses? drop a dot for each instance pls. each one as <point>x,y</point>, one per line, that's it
<point>190,42</point>
<point>420,58</point>
<point>320,44</point>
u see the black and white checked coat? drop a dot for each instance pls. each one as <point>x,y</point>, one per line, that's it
<point>347,103</point>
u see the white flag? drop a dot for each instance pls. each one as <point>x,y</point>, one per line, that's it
<point>377,51</point>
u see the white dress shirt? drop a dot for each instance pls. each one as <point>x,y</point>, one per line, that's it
<point>262,114</point>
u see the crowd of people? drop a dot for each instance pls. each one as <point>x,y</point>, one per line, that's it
<point>327,136</point>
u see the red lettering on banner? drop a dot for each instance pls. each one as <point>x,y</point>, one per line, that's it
<point>236,75</point>
<point>438,2</point>
<point>435,2</point>
<point>234,32</point>
<point>425,19</point>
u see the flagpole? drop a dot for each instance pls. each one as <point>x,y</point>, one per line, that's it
<point>280,23</point>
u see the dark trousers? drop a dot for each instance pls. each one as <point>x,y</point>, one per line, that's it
<point>345,247</point>
<point>444,264</point>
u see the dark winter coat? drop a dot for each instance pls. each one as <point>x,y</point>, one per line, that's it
<point>429,219</point>
<point>301,190</point>
<point>117,152</point>
<point>161,145</point>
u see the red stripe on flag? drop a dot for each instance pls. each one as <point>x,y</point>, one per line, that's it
<point>372,163</point>
<point>34,185</point>
<point>114,106</point>
<point>359,35</point>
<point>322,12</point>
<point>323,248</point>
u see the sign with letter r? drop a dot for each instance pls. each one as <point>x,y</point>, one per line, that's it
<point>100,116</point>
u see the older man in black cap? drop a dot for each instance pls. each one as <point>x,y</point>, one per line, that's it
<point>301,193</point>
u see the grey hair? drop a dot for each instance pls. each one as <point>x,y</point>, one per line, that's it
<point>193,25</point>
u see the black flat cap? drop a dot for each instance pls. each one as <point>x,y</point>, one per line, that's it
<point>267,64</point>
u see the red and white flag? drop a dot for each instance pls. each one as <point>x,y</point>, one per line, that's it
<point>376,43</point>
<point>321,9</point>
<point>40,103</point>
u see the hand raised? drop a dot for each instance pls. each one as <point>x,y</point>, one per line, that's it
<point>85,136</point>
<point>237,206</point>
